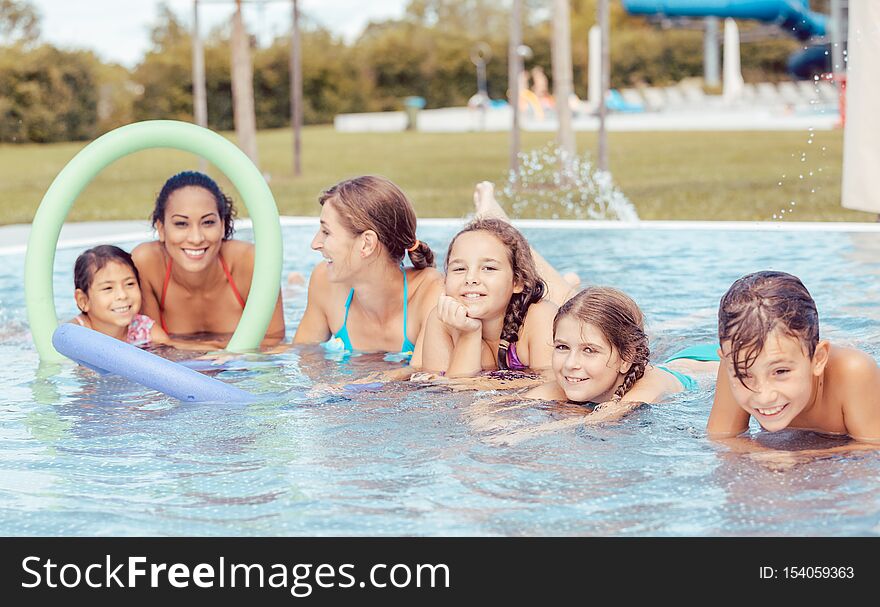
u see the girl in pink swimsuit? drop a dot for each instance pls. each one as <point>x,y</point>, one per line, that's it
<point>108,294</point>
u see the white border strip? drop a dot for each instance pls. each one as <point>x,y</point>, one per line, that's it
<point>559,224</point>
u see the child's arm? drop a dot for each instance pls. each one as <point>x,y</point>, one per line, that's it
<point>547,391</point>
<point>436,347</point>
<point>428,302</point>
<point>314,326</point>
<point>727,418</point>
<point>861,396</point>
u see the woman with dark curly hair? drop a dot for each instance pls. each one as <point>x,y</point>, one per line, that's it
<point>195,278</point>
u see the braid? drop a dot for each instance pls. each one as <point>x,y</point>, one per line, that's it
<point>640,355</point>
<point>422,256</point>
<point>514,317</point>
<point>635,373</point>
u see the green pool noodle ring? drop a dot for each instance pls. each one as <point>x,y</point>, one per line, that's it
<point>91,160</point>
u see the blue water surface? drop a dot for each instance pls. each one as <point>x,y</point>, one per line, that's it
<point>83,455</point>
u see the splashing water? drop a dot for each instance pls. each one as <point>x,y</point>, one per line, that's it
<point>550,184</point>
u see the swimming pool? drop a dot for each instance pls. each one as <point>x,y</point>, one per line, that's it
<point>89,456</point>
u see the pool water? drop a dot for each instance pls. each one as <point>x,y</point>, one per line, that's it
<point>83,455</point>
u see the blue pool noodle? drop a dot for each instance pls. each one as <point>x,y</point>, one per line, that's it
<point>105,354</point>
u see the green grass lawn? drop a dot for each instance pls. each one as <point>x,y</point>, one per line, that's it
<point>674,175</point>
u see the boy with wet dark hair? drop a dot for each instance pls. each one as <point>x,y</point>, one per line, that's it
<point>775,368</point>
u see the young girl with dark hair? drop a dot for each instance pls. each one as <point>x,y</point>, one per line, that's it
<point>108,294</point>
<point>492,315</point>
<point>601,354</point>
<point>361,297</point>
<point>196,278</point>
<point>775,368</point>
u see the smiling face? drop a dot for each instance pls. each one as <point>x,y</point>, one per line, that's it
<point>191,230</point>
<point>479,274</point>
<point>336,244</point>
<point>779,385</point>
<point>585,365</point>
<point>114,297</point>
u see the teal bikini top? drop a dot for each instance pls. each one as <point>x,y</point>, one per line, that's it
<point>701,352</point>
<point>407,348</point>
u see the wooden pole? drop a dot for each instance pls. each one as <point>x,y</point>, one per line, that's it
<point>296,114</point>
<point>243,111</point>
<point>514,67</point>
<point>200,95</point>
<point>605,30</point>
<point>562,75</point>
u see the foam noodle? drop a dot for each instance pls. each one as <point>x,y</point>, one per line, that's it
<point>105,354</point>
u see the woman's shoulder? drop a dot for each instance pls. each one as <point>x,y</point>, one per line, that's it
<point>149,258</point>
<point>147,251</point>
<point>238,252</point>
<point>426,283</point>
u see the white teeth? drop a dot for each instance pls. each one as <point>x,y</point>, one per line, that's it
<point>121,310</point>
<point>771,411</point>
<point>195,252</point>
<point>575,380</point>
<point>471,295</point>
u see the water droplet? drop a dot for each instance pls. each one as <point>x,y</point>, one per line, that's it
<point>793,203</point>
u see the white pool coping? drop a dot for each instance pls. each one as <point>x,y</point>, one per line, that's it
<point>85,234</point>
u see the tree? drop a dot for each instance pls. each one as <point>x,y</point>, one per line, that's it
<point>19,23</point>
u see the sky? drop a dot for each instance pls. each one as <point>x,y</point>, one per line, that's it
<point>119,30</point>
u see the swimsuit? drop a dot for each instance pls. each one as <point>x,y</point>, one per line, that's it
<point>513,361</point>
<point>168,280</point>
<point>342,341</point>
<point>138,331</point>
<point>702,352</point>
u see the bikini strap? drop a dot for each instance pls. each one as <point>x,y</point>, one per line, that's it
<point>405,301</point>
<point>230,281</point>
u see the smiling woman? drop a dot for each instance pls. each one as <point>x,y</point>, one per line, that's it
<point>361,296</point>
<point>196,278</point>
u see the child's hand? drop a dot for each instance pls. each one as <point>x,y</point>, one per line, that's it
<point>454,314</point>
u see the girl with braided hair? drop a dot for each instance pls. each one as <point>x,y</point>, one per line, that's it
<point>600,354</point>
<point>492,315</point>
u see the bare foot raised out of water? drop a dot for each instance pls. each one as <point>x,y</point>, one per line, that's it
<point>485,204</point>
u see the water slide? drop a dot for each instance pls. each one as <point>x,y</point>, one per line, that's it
<point>792,16</point>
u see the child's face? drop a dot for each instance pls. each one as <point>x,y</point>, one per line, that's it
<point>585,365</point>
<point>779,385</point>
<point>192,229</point>
<point>114,297</point>
<point>479,274</point>
<point>335,243</point>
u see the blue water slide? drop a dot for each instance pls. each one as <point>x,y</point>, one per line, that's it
<point>793,16</point>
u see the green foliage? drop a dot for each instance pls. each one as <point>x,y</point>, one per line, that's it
<point>47,95</point>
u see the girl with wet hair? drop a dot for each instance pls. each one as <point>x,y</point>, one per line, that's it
<point>195,278</point>
<point>492,315</point>
<point>601,354</point>
<point>361,296</point>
